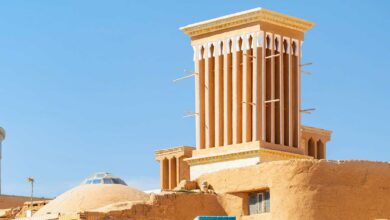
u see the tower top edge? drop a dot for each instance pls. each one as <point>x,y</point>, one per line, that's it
<point>245,17</point>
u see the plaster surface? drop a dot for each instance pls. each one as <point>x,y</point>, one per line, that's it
<point>198,170</point>
<point>309,189</point>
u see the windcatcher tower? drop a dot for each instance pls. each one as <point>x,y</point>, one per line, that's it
<point>248,92</point>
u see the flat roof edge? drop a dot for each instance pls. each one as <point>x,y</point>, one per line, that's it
<point>249,16</point>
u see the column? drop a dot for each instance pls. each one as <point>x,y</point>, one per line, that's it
<point>211,94</point>
<point>281,92</point>
<point>178,169</point>
<point>164,174</point>
<point>227,94</point>
<point>234,91</point>
<point>286,91</point>
<point>239,84</point>
<point>250,103</point>
<point>290,93</point>
<point>218,95</point>
<point>295,100</point>
<point>207,96</point>
<point>245,105</point>
<point>299,91</point>
<point>257,86</point>
<point>172,173</point>
<point>200,84</point>
<point>272,104</point>
<point>197,97</point>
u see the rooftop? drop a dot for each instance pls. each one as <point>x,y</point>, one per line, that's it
<point>249,16</point>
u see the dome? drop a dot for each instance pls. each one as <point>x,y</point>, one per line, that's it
<point>91,196</point>
<point>103,178</point>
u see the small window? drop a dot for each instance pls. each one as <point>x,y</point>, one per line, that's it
<point>97,181</point>
<point>259,202</point>
<point>107,181</point>
<point>118,181</point>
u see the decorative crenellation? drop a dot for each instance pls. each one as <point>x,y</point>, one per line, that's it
<point>279,44</point>
<point>286,49</point>
<point>295,43</point>
<point>222,46</point>
<point>268,40</point>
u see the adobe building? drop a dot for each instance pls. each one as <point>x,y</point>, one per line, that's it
<point>251,147</point>
<point>253,158</point>
<point>247,95</point>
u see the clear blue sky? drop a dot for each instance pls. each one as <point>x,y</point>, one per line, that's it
<point>86,85</point>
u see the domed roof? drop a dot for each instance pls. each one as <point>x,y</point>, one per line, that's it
<point>91,196</point>
<point>103,178</point>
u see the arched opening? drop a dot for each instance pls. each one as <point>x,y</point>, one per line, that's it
<point>267,42</point>
<point>211,50</point>
<point>311,148</point>
<point>320,150</point>
<point>285,45</point>
<point>294,47</point>
<point>239,44</point>
<point>276,43</point>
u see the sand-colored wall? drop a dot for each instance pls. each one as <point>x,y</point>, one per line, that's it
<point>310,189</point>
<point>10,201</point>
<point>172,206</point>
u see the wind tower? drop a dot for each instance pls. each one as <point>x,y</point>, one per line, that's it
<point>2,137</point>
<point>247,94</point>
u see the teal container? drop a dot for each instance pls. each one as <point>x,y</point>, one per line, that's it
<point>215,218</point>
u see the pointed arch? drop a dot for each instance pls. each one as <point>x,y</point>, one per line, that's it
<point>267,42</point>
<point>285,46</point>
<point>276,43</point>
<point>294,47</point>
